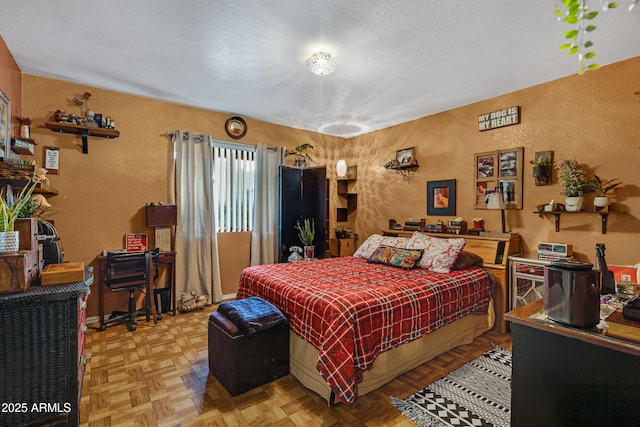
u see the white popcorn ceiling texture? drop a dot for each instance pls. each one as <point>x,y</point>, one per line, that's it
<point>398,60</point>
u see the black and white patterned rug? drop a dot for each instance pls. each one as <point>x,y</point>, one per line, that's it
<point>476,394</point>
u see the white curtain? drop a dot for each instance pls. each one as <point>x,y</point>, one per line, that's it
<point>196,242</point>
<point>264,236</point>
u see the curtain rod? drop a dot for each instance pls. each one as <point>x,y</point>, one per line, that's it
<point>171,134</point>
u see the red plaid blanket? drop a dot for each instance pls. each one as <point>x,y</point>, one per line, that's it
<point>352,311</point>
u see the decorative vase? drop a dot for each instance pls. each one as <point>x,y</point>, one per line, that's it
<point>309,252</point>
<point>573,204</point>
<point>600,202</point>
<point>9,242</point>
<point>25,132</point>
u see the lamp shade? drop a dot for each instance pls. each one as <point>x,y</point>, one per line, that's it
<point>495,201</point>
<point>341,168</point>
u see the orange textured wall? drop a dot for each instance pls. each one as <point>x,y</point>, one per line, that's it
<point>593,118</point>
<point>102,194</point>
<point>11,83</point>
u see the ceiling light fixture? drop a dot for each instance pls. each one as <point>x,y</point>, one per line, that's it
<point>321,63</point>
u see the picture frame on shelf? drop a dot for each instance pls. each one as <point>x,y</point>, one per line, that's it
<point>441,197</point>
<point>5,124</point>
<point>406,157</point>
<point>499,169</point>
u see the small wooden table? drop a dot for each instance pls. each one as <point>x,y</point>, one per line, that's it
<point>570,376</point>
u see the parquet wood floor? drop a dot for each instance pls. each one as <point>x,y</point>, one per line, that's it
<point>159,376</point>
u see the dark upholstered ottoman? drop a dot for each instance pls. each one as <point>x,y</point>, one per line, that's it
<point>248,344</point>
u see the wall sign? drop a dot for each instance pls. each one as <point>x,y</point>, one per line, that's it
<point>52,160</point>
<point>136,242</point>
<point>497,119</point>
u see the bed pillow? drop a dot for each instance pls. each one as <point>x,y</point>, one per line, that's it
<point>439,254</point>
<point>467,259</point>
<point>369,246</point>
<point>395,257</point>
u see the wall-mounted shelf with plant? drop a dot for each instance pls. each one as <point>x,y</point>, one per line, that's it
<point>574,184</point>
<point>404,164</point>
<point>542,167</point>
<point>300,155</point>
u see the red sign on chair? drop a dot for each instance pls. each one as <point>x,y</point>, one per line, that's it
<point>136,242</point>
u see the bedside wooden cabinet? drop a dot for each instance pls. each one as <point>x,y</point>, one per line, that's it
<point>343,247</point>
<point>527,279</point>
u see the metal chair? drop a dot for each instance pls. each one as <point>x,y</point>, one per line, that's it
<point>131,272</point>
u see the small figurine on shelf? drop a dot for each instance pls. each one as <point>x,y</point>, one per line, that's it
<point>60,116</point>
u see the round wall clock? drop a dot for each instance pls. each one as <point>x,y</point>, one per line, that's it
<point>236,127</point>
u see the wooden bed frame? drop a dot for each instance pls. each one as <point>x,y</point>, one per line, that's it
<point>495,253</point>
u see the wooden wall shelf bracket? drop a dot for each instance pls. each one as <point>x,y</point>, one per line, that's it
<point>604,216</point>
<point>83,131</point>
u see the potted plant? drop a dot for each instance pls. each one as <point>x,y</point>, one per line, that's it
<point>307,233</point>
<point>573,183</point>
<point>604,189</point>
<point>10,206</point>
<point>301,155</point>
<point>340,232</point>
<point>541,170</point>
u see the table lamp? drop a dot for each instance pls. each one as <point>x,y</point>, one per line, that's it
<point>496,201</point>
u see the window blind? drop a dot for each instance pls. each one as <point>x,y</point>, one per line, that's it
<point>234,186</point>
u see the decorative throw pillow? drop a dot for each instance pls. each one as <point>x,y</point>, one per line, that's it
<point>366,249</point>
<point>467,259</point>
<point>439,254</point>
<point>396,257</point>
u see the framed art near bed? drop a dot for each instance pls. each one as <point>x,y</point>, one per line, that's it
<point>441,197</point>
<point>499,169</point>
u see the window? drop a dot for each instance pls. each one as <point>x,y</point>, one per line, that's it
<point>234,186</point>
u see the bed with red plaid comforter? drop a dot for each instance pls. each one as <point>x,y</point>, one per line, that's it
<point>352,311</point>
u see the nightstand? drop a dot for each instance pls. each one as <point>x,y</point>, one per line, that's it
<point>343,247</point>
<point>526,282</point>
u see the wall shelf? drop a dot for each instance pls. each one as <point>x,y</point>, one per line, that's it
<point>407,171</point>
<point>342,214</point>
<point>84,131</point>
<point>18,184</point>
<point>604,216</point>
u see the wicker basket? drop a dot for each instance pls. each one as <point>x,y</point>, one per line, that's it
<point>39,352</point>
<point>16,171</point>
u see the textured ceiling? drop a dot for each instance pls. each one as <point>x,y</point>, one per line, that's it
<point>398,60</point>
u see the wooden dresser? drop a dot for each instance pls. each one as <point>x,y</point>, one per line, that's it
<point>564,375</point>
<point>495,252</point>
<point>42,344</point>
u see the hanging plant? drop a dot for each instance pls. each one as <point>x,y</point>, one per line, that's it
<point>577,14</point>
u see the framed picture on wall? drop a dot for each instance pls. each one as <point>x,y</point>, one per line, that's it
<point>406,156</point>
<point>5,124</point>
<point>441,197</point>
<point>499,169</point>
<point>485,166</point>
